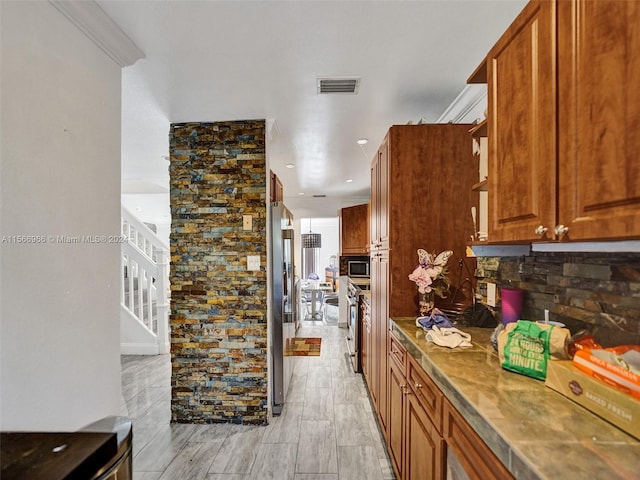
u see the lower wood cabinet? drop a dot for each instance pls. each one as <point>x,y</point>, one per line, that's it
<point>424,456</point>
<point>395,421</point>
<point>467,454</point>
<point>415,444</point>
<point>427,438</point>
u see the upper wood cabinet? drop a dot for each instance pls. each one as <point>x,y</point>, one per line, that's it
<point>599,114</point>
<point>421,198</point>
<point>563,106</point>
<point>379,222</point>
<point>354,230</point>
<point>276,190</point>
<point>522,126</point>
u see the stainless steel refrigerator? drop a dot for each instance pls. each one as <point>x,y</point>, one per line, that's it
<point>284,314</point>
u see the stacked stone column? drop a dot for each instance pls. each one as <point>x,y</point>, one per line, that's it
<point>218,308</point>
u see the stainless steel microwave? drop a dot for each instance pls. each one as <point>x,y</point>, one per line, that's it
<point>358,268</point>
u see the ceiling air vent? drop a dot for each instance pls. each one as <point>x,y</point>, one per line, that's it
<point>338,85</point>
<point>319,196</point>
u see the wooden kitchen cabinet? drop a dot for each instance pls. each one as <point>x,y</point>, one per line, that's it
<point>276,189</point>
<point>467,454</point>
<point>424,447</point>
<point>354,230</point>
<point>428,437</point>
<point>379,221</point>
<point>379,274</point>
<point>563,106</point>
<point>420,198</point>
<point>397,392</point>
<point>415,444</point>
<point>599,113</point>
<point>522,126</point>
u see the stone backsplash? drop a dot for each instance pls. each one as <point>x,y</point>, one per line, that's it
<point>218,308</point>
<point>596,291</point>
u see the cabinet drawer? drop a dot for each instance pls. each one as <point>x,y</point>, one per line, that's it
<point>426,391</point>
<point>398,353</point>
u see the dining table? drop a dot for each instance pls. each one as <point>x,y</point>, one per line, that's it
<point>313,292</point>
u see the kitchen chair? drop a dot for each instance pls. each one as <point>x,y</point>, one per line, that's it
<point>330,298</point>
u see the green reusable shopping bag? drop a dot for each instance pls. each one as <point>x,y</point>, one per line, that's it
<point>526,350</point>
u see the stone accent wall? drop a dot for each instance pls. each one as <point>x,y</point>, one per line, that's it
<point>218,308</point>
<point>597,291</point>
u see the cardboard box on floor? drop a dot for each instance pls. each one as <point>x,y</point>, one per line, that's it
<point>615,406</point>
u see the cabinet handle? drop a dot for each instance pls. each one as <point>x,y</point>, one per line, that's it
<point>418,385</point>
<point>405,389</point>
<point>541,230</point>
<point>561,230</point>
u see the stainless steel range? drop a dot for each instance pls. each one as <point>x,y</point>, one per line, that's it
<point>353,323</point>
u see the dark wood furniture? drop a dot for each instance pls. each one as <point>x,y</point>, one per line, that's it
<point>354,230</point>
<point>465,449</point>
<point>415,443</point>
<point>599,112</point>
<point>522,126</point>
<point>562,112</point>
<point>276,189</point>
<point>55,456</point>
<point>427,435</point>
<point>420,198</point>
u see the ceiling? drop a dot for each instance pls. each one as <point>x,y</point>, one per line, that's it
<point>235,60</point>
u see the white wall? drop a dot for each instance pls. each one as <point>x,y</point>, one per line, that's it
<point>60,154</point>
<point>329,229</point>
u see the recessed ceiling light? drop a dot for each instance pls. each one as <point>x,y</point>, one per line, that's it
<point>362,141</point>
<point>290,165</point>
<point>349,180</point>
<point>301,193</point>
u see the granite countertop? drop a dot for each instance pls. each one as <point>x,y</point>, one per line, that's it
<point>360,280</point>
<point>535,431</point>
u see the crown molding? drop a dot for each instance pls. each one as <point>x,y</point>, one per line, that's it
<point>100,28</point>
<point>466,101</point>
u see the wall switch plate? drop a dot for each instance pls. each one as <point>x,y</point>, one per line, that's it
<point>247,221</point>
<point>253,262</point>
<point>491,294</point>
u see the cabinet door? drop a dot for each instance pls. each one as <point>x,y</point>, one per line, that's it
<point>379,326</point>
<point>599,76</point>
<point>383,336</point>
<point>276,189</point>
<point>354,230</point>
<point>397,388</point>
<point>380,198</point>
<point>470,451</point>
<point>522,126</point>
<point>426,391</point>
<point>424,447</point>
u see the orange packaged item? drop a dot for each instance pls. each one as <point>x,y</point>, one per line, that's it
<point>617,366</point>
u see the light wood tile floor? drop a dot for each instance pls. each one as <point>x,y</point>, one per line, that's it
<point>327,430</point>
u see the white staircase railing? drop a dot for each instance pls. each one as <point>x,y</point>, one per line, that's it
<point>144,292</point>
